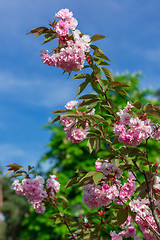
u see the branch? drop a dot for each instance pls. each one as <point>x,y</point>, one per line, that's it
<point>152,206</point>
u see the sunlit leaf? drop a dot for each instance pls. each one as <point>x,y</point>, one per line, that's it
<point>71,182</point>
<point>108,74</point>
<point>97,37</point>
<point>97,177</point>
<point>82,86</point>
<point>55,119</point>
<point>90,144</point>
<point>116,83</point>
<point>80,76</point>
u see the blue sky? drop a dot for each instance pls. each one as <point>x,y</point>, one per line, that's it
<point>30,91</point>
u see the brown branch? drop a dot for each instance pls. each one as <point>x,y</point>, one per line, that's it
<point>64,220</point>
<point>152,206</point>
<point>145,219</point>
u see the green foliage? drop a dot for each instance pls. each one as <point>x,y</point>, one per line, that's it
<point>15,209</point>
<point>65,158</point>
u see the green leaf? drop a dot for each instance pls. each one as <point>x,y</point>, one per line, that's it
<point>108,74</point>
<point>55,119</point>
<point>98,144</point>
<point>80,76</point>
<point>99,53</point>
<point>122,216</point>
<point>137,105</point>
<point>71,114</point>
<point>89,96</point>
<point>109,109</point>
<point>71,182</point>
<point>49,37</point>
<point>29,168</point>
<point>148,107</point>
<point>97,177</point>
<point>116,83</point>
<point>60,111</point>
<point>90,144</point>
<point>98,117</point>
<point>64,201</point>
<point>57,220</point>
<point>15,175</point>
<point>81,170</point>
<point>121,91</point>
<point>38,29</point>
<point>13,167</point>
<point>97,37</point>
<point>100,61</point>
<point>154,113</point>
<point>82,86</point>
<point>88,175</point>
<point>87,102</point>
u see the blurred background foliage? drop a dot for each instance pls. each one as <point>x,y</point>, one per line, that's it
<point>63,159</point>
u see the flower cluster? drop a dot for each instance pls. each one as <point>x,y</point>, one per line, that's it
<point>110,189</point>
<point>133,130</point>
<point>73,133</point>
<point>141,208</point>
<point>103,194</point>
<point>71,53</point>
<point>35,191</point>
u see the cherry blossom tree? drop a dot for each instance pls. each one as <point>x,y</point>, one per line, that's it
<point>123,188</point>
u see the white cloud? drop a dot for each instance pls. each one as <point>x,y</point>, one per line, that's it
<point>152,54</point>
<point>13,153</point>
<point>37,92</point>
<point>10,154</point>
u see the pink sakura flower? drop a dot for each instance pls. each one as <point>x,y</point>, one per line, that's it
<point>115,236</point>
<point>136,123</point>
<point>62,28</point>
<point>64,14</point>
<point>34,190</point>
<point>144,228</point>
<point>139,206</point>
<point>137,237</point>
<point>71,104</point>
<point>119,128</point>
<point>98,165</point>
<point>52,183</point>
<point>127,223</point>
<point>112,192</point>
<point>76,34</point>
<point>95,196</point>
<point>127,188</point>
<point>157,183</point>
<point>71,55</point>
<point>91,196</point>
<point>17,187</point>
<point>155,134</point>
<point>131,232</point>
<point>109,168</point>
<point>125,118</point>
<point>72,23</point>
<point>137,129</point>
<point>128,107</point>
<point>105,187</point>
<point>47,59</point>
<point>131,177</point>
<point>67,122</point>
<point>149,236</point>
<point>76,135</point>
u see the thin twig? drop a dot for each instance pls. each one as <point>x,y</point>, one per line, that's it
<point>152,206</point>
<point>64,221</point>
